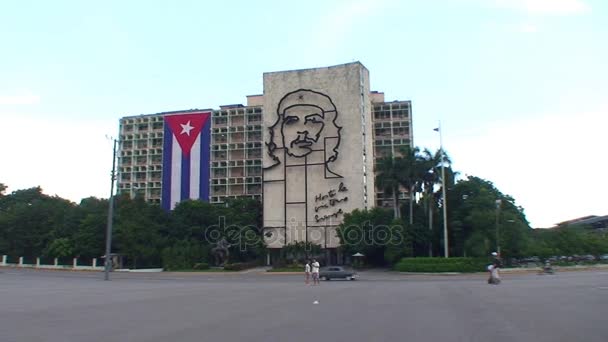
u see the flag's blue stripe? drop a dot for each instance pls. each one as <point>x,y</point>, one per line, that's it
<point>204,163</point>
<point>167,150</point>
<point>185,193</point>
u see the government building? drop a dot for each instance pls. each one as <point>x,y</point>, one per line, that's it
<point>306,148</point>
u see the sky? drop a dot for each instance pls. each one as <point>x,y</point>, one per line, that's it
<point>520,86</point>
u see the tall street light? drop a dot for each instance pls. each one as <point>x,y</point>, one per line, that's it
<point>108,259</point>
<point>445,200</point>
<point>498,204</point>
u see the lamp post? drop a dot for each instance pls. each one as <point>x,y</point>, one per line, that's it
<point>498,204</point>
<point>108,260</point>
<point>445,200</point>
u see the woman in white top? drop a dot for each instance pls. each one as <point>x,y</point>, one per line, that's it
<point>315,272</point>
<point>307,272</point>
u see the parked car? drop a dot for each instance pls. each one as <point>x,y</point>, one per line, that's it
<point>587,257</point>
<point>337,272</point>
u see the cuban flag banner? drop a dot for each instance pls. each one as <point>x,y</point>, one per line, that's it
<point>186,149</point>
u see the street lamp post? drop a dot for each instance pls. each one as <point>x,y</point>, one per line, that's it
<point>498,204</point>
<point>108,259</point>
<point>445,200</point>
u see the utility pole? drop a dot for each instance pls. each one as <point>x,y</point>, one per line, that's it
<point>498,204</point>
<point>108,259</point>
<point>445,200</point>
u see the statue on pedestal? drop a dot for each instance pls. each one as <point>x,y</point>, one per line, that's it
<point>221,252</point>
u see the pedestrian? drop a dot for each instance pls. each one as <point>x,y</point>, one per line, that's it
<point>315,272</point>
<point>307,272</point>
<point>493,269</point>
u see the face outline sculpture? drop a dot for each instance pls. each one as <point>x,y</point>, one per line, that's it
<point>306,122</point>
<point>301,129</point>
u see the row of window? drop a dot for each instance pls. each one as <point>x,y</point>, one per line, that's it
<point>390,124</point>
<point>222,199</point>
<point>395,131</point>
<point>236,146</point>
<point>236,172</point>
<point>399,114</point>
<point>238,138</point>
<point>239,111</point>
<point>236,180</point>
<point>139,185</point>
<point>222,164</point>
<point>392,106</point>
<point>126,137</point>
<point>237,120</point>
<point>143,119</point>
<point>388,142</point>
<point>236,190</point>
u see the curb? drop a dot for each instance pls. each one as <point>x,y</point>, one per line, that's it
<point>282,273</point>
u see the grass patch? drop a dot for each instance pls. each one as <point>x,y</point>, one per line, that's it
<point>286,269</point>
<point>209,270</point>
<point>439,265</point>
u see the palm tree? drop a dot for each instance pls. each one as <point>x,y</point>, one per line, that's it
<point>411,165</point>
<point>387,179</point>
<point>432,176</point>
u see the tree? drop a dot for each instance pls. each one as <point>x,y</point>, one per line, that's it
<point>400,243</point>
<point>238,221</point>
<point>138,226</point>
<point>244,231</point>
<point>472,216</point>
<point>388,179</point>
<point>30,220</point>
<point>567,241</point>
<point>59,248</point>
<point>410,170</point>
<point>432,176</point>
<point>301,250</point>
<point>375,234</point>
<point>89,238</point>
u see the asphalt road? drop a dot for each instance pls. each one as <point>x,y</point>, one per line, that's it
<point>73,306</point>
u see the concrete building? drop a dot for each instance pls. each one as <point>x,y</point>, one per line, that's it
<point>392,131</point>
<point>246,141</point>
<point>318,162</point>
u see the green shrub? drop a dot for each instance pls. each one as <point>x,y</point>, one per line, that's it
<point>432,265</point>
<point>293,267</point>
<point>239,266</point>
<point>183,255</point>
<point>201,266</point>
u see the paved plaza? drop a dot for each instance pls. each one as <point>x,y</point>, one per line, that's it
<point>54,306</point>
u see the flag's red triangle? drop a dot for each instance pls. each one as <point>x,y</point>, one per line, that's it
<point>186,128</point>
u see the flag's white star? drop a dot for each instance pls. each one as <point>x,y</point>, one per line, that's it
<point>186,128</point>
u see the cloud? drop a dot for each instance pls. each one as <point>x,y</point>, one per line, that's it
<point>342,20</point>
<point>558,7</point>
<point>527,28</point>
<point>68,158</point>
<point>551,164</point>
<point>19,99</point>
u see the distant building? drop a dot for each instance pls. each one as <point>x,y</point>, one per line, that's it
<point>241,144</point>
<point>593,221</point>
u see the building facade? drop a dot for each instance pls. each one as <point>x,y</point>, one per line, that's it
<point>249,143</point>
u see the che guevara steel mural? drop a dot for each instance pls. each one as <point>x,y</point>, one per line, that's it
<point>302,147</point>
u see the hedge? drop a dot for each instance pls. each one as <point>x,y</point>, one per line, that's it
<point>432,265</point>
<point>201,266</point>
<point>239,266</point>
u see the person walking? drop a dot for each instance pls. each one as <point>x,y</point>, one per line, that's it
<point>494,268</point>
<point>315,272</point>
<point>307,272</point>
